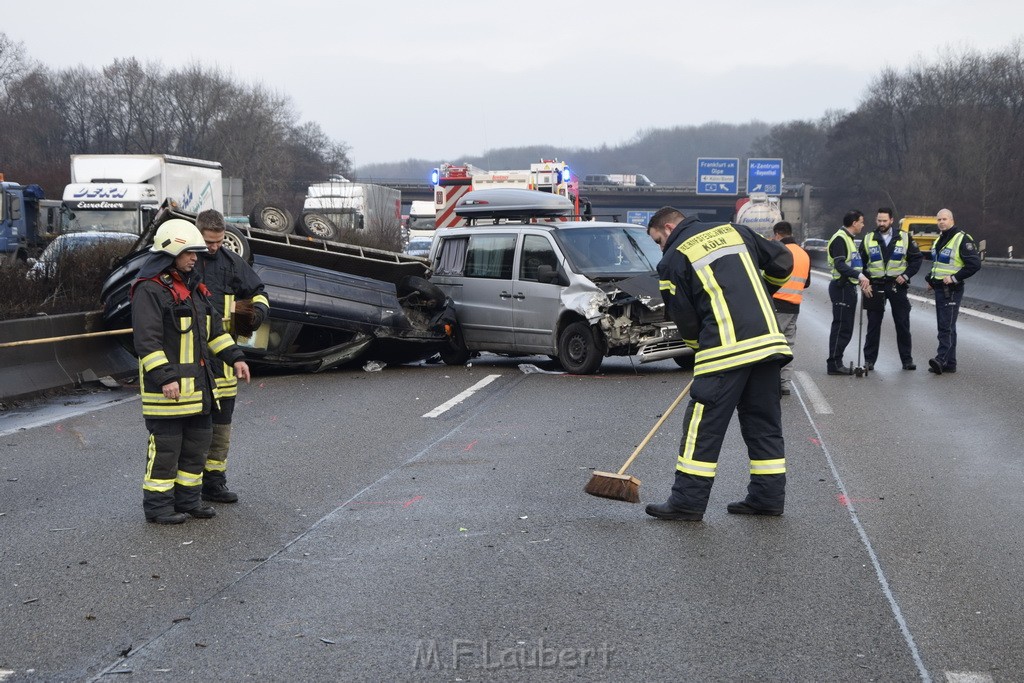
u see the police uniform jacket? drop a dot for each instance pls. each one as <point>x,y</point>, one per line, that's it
<point>966,258</point>
<point>177,334</point>
<point>913,255</point>
<point>717,281</point>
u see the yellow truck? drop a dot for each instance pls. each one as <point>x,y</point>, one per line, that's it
<point>923,229</point>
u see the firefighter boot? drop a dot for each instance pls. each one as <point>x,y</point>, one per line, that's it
<point>215,480</point>
<point>766,495</point>
<point>186,497</point>
<point>688,500</point>
<point>159,508</point>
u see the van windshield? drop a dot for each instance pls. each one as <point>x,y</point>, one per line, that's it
<point>611,252</point>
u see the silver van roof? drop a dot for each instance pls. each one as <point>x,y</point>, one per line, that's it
<point>512,203</point>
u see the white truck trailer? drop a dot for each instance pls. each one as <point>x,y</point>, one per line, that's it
<point>360,213</point>
<point>121,192</point>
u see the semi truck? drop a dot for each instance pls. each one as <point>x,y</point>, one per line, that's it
<point>122,192</point>
<point>27,221</point>
<point>452,181</point>
<point>364,213</point>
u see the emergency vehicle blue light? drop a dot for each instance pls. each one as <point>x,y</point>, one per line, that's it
<point>566,175</point>
<point>435,175</point>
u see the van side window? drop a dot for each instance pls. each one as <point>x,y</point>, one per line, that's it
<point>490,256</point>
<point>537,251</point>
<point>451,257</point>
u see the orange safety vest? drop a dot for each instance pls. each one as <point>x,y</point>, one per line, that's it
<point>793,290</point>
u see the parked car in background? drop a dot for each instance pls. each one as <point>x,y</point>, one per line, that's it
<point>105,245</point>
<point>418,246</point>
<point>325,311</point>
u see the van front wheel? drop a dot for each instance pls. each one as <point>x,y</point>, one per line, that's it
<point>579,350</point>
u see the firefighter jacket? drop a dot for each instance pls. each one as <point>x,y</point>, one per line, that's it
<point>229,277</point>
<point>715,279</point>
<point>843,257</point>
<point>884,262</point>
<point>791,295</point>
<point>177,335</point>
<point>956,254</point>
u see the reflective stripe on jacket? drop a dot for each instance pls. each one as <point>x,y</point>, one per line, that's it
<point>877,267</point>
<point>793,290</point>
<point>852,256</point>
<point>947,261</point>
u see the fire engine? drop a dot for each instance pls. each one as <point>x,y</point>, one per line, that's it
<point>451,182</point>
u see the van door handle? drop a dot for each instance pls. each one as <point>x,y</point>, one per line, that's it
<point>504,295</point>
<point>519,296</point>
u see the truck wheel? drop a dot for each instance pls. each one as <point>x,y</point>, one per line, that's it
<point>579,350</point>
<point>319,226</point>
<point>271,218</point>
<point>235,241</point>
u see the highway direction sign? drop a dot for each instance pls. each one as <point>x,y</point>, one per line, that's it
<point>764,175</point>
<point>717,176</point>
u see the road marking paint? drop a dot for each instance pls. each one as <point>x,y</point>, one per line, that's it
<point>897,613</point>
<point>967,677</point>
<point>469,446</point>
<point>817,399</point>
<point>977,314</point>
<point>447,405</point>
<point>5,674</point>
<point>64,413</point>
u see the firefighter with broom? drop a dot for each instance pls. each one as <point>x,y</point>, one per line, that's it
<point>717,281</point>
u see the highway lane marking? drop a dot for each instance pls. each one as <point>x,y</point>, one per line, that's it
<point>967,677</point>
<point>817,399</point>
<point>897,613</point>
<point>976,314</point>
<point>456,400</point>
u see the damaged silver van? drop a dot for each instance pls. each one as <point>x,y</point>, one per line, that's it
<point>527,277</point>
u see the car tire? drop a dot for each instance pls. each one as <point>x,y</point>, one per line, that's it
<point>271,218</point>
<point>319,226</point>
<point>235,241</point>
<point>580,350</point>
<point>455,353</point>
<point>429,293</point>
<point>685,362</point>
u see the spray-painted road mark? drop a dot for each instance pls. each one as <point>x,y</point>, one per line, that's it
<point>447,405</point>
<point>814,395</point>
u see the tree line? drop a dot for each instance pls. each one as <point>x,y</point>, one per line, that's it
<point>128,107</point>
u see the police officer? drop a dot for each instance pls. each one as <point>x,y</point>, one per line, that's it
<point>954,259</point>
<point>177,335</point>
<point>844,261</point>
<point>890,259</point>
<point>229,279</point>
<point>715,280</point>
<point>789,297</point>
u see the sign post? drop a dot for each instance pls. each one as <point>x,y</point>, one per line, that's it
<point>764,175</point>
<point>717,176</point>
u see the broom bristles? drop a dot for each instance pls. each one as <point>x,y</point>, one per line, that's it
<point>615,486</point>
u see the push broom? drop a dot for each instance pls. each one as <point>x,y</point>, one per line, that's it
<point>622,486</point>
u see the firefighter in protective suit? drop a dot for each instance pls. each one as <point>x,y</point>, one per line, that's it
<point>717,281</point>
<point>177,336</point>
<point>231,280</point>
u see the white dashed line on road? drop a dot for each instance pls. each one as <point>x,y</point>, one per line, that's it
<point>967,677</point>
<point>814,395</point>
<point>461,397</point>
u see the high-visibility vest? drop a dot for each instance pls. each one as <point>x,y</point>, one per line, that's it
<point>947,261</point>
<point>852,255</point>
<point>897,264</point>
<point>793,290</point>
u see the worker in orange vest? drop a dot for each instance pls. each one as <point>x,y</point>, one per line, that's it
<point>787,299</point>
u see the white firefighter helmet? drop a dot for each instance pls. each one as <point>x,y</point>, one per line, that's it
<point>177,235</point>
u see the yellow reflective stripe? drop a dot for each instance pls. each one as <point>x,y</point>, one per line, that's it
<point>220,343</point>
<point>667,285</point>
<point>188,388</point>
<point>690,442</point>
<point>777,466</point>
<point>172,411</point>
<point>229,300</point>
<point>767,308</point>
<point>186,350</point>
<point>708,259</point>
<point>154,360</point>
<point>225,392</point>
<point>148,482</point>
<point>704,243</point>
<point>189,479</point>
<point>216,465</point>
<point>697,468</point>
<point>749,358</point>
<point>692,343</point>
<point>716,298</point>
<point>261,299</point>
<point>746,344</point>
<point>158,485</point>
<point>155,397</point>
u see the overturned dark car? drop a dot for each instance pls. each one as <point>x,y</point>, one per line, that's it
<point>331,304</point>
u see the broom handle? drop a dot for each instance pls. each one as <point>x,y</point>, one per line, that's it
<point>66,337</point>
<point>654,429</point>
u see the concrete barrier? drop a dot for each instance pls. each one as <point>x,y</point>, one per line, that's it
<point>34,369</point>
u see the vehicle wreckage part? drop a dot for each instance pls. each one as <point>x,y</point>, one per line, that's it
<point>580,351</point>
<point>235,241</point>
<point>428,293</point>
<point>271,218</point>
<point>318,225</point>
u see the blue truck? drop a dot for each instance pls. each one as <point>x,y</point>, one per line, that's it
<point>27,220</point>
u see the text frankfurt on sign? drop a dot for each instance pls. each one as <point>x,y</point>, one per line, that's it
<point>764,175</point>
<point>717,176</point>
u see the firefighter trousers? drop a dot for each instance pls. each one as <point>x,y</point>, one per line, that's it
<point>753,393</point>
<point>217,460</point>
<point>897,297</point>
<point>174,464</point>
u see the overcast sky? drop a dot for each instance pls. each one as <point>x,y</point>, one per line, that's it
<point>441,80</point>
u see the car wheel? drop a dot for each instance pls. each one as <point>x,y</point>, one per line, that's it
<point>685,362</point>
<point>579,350</point>
<point>429,293</point>
<point>235,241</point>
<point>455,353</point>
<point>271,218</point>
<point>319,226</point>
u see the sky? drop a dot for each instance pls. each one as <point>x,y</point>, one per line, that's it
<point>439,80</point>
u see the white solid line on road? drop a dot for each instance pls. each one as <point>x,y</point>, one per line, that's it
<point>461,397</point>
<point>814,395</point>
<point>5,674</point>
<point>976,314</point>
<point>967,677</point>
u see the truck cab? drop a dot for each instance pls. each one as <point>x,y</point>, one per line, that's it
<point>110,207</point>
<point>924,230</point>
<point>22,234</point>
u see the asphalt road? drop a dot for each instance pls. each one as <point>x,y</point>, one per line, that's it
<point>372,543</point>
